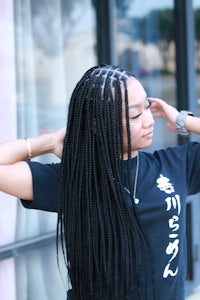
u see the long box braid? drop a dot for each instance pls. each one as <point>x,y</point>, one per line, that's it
<point>107,253</point>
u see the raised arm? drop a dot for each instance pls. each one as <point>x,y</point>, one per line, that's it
<point>161,109</point>
<point>192,124</point>
<point>15,175</point>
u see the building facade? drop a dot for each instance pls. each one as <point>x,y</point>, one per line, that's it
<point>45,47</point>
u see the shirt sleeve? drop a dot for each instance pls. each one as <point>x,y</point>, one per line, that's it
<point>45,187</point>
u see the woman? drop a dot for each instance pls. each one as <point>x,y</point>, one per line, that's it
<point>121,211</point>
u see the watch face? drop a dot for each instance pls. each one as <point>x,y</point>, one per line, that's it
<point>187,112</point>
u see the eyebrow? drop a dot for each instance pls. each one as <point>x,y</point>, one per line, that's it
<point>137,104</point>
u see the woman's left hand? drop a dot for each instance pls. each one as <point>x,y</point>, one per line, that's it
<point>160,109</point>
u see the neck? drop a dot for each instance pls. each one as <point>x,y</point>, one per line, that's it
<point>133,154</point>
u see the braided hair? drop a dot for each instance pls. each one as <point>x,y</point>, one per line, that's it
<point>106,251</point>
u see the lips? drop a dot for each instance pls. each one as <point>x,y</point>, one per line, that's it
<point>149,134</point>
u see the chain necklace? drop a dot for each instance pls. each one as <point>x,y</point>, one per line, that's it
<point>136,200</point>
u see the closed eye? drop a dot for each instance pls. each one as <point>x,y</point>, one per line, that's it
<point>135,117</point>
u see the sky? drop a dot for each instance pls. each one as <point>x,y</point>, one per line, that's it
<point>141,8</point>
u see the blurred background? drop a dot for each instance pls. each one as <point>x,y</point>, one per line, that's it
<point>45,47</point>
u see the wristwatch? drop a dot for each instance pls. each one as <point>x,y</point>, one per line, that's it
<point>180,122</point>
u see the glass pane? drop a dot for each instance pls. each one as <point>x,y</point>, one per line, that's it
<point>38,276</point>
<point>8,205</point>
<point>145,46</point>
<point>51,39</point>
<point>42,44</point>
<point>196,5</point>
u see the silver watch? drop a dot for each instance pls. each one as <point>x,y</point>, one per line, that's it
<point>180,122</point>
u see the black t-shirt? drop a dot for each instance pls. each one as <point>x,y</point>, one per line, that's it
<point>165,179</point>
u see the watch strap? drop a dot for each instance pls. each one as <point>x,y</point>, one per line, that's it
<point>180,122</point>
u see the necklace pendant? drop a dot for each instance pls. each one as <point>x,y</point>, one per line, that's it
<point>136,200</point>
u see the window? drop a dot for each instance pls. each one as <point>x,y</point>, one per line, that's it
<point>48,46</point>
<point>145,45</point>
<point>197,48</point>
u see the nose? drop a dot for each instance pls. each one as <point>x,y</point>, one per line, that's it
<point>148,119</point>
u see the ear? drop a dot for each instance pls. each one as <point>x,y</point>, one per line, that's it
<point>93,125</point>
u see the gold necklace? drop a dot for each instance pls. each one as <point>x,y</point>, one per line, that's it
<point>136,200</point>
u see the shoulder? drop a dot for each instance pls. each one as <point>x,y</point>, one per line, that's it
<point>189,148</point>
<point>172,157</point>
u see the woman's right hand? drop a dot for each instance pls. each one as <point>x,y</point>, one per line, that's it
<point>58,141</point>
<point>15,174</point>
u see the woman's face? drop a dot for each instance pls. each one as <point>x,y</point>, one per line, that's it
<point>141,121</point>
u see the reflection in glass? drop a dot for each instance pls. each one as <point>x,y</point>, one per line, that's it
<point>145,46</point>
<point>51,39</point>
<point>54,44</point>
<point>38,275</point>
<point>197,49</point>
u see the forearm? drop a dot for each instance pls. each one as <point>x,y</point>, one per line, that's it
<point>192,124</point>
<point>15,174</point>
<point>17,150</point>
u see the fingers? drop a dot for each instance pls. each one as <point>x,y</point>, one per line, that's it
<point>161,109</point>
<point>157,108</point>
<point>58,139</point>
<point>157,100</point>
<point>158,115</point>
<point>171,127</point>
